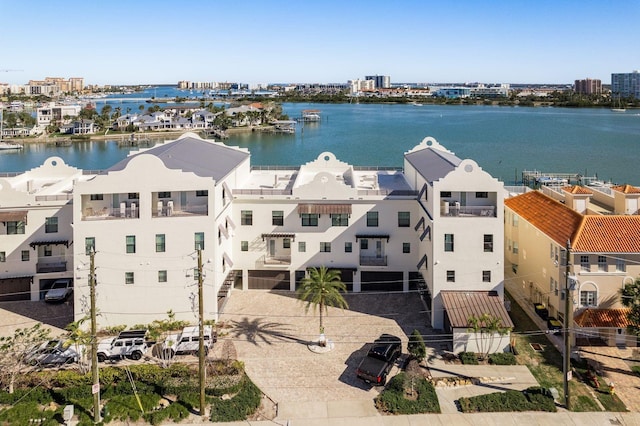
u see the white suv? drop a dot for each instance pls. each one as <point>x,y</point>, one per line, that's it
<point>187,342</point>
<point>129,344</point>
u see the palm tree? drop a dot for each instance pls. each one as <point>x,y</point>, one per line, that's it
<point>322,288</point>
<point>486,327</point>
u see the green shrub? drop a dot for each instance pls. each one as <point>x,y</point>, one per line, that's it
<point>532,399</point>
<point>469,358</point>
<point>38,395</point>
<point>502,358</point>
<point>24,413</point>
<point>416,346</point>
<point>242,405</point>
<point>636,369</point>
<point>393,400</point>
<point>126,407</point>
<point>71,378</point>
<point>175,412</point>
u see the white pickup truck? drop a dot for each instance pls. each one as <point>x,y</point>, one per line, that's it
<point>187,341</point>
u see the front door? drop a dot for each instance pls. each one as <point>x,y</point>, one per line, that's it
<point>272,248</point>
<point>378,249</point>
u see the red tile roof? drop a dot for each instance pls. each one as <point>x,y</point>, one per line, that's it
<point>626,189</point>
<point>608,234</point>
<point>588,233</point>
<point>551,217</point>
<point>603,318</point>
<point>577,189</point>
<point>461,305</point>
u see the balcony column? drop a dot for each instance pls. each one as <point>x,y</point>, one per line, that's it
<point>245,279</point>
<point>357,287</point>
<point>405,281</point>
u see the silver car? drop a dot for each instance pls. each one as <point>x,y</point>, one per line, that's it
<point>51,353</point>
<point>60,291</point>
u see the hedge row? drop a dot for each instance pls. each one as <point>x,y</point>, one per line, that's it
<point>531,399</point>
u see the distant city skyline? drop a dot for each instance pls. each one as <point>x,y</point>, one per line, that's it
<point>319,42</point>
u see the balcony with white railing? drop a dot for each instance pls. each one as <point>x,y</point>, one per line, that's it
<point>457,210</point>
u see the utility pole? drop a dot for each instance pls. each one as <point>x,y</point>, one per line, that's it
<point>201,355</point>
<point>568,320</point>
<point>94,342</point>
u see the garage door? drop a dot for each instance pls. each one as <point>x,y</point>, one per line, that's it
<point>381,281</point>
<point>15,289</point>
<point>268,280</point>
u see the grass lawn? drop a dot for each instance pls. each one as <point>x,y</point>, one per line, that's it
<point>546,365</point>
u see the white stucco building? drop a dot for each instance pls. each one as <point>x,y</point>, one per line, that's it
<point>36,236</point>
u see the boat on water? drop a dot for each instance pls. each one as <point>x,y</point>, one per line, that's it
<point>7,145</point>
<point>310,115</point>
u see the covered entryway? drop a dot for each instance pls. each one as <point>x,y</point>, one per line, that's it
<point>269,280</point>
<point>381,281</point>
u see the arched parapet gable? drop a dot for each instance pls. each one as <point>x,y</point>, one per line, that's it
<point>429,142</point>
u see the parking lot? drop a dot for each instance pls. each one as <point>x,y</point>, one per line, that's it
<point>24,314</point>
<point>271,333</point>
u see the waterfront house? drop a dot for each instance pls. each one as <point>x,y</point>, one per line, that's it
<point>434,226</point>
<point>604,255</point>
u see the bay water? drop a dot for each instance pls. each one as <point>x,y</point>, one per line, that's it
<point>504,141</point>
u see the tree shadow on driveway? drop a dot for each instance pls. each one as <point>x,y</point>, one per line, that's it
<point>259,331</point>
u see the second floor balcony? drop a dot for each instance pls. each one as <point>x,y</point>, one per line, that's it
<point>373,260</point>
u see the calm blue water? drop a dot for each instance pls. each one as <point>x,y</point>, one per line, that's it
<point>502,140</point>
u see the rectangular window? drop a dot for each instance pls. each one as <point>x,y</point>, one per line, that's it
<point>488,242</point>
<point>482,195</point>
<point>339,219</point>
<point>514,249</point>
<point>96,197</point>
<point>325,247</point>
<point>3,256</point>
<point>133,196</point>
<point>588,298</point>
<point>309,219</point>
<point>514,220</point>
<point>160,244</point>
<point>445,194</point>
<point>584,263</point>
<point>25,255</point>
<point>448,242</point>
<point>348,247</point>
<point>364,244</point>
<point>244,245</point>
<point>286,243</point>
<point>202,193</point>
<point>162,276</point>
<point>51,225</point>
<point>277,218</point>
<point>199,240</point>
<point>164,194</point>
<point>14,228</point>
<point>302,246</point>
<point>89,245</point>
<point>372,218</point>
<point>404,219</point>
<point>128,278</point>
<point>406,247</point>
<point>451,276</point>
<point>486,276</point>
<point>620,265</point>
<point>131,243</point>
<point>602,263</point>
<point>246,217</point>
<point>47,251</point>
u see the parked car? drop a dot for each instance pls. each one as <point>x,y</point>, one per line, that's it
<point>60,291</point>
<point>51,353</point>
<point>188,341</point>
<point>375,367</point>
<point>129,344</point>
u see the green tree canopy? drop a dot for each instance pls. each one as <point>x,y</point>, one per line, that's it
<point>630,296</point>
<point>321,289</point>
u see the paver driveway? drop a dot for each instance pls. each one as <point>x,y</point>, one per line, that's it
<point>271,332</point>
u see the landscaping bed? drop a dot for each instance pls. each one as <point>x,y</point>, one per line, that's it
<point>531,399</point>
<point>162,394</point>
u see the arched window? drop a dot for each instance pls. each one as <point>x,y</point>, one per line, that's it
<point>588,295</point>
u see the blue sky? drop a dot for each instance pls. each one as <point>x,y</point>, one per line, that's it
<point>135,42</point>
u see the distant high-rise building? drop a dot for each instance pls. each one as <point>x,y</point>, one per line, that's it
<point>588,86</point>
<point>626,85</point>
<point>381,81</point>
